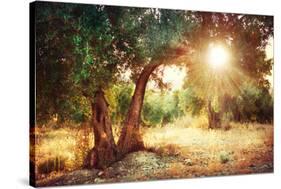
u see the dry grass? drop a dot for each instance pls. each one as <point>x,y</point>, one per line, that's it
<point>197,150</point>
<point>62,149</point>
<point>241,149</point>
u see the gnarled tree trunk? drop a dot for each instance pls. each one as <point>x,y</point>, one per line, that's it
<point>130,139</point>
<point>104,152</point>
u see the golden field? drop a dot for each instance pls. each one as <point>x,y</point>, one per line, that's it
<point>193,149</point>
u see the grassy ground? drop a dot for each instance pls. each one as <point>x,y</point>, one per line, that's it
<point>181,150</point>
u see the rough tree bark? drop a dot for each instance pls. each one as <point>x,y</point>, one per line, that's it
<point>130,139</point>
<point>104,152</point>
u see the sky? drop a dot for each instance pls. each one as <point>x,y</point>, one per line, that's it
<point>175,76</point>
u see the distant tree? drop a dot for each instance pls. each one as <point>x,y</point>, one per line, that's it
<point>152,112</point>
<point>252,104</point>
<point>190,102</point>
<point>161,108</point>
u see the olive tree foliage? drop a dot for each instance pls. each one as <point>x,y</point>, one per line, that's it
<point>82,48</point>
<point>68,65</point>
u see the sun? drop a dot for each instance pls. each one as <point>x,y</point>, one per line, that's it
<point>217,56</point>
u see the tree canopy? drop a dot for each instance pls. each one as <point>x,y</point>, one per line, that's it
<point>81,48</point>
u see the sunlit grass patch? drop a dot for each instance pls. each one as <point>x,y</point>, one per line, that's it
<point>190,122</point>
<point>61,149</point>
<point>240,149</point>
<point>191,132</point>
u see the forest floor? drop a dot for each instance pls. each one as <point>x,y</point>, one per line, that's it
<point>184,153</point>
